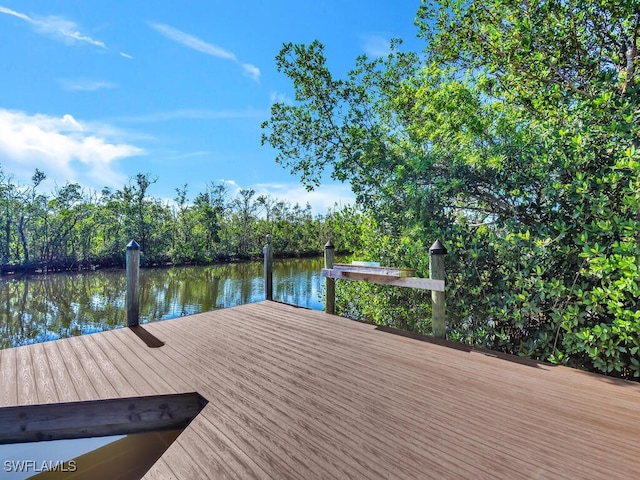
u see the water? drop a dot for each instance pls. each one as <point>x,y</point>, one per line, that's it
<point>47,307</point>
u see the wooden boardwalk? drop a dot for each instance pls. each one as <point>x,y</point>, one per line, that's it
<point>294,393</point>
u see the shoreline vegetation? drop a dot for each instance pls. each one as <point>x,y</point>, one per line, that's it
<point>72,229</point>
<point>41,268</point>
<point>513,138</point>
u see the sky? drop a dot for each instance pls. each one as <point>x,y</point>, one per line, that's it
<point>96,92</point>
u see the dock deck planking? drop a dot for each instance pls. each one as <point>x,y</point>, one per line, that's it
<point>295,393</point>
<point>82,382</point>
<point>26,385</point>
<point>121,349</point>
<point>333,406</point>
<point>85,357</point>
<point>509,418</point>
<point>8,376</point>
<point>110,368</point>
<point>60,376</point>
<point>285,400</point>
<point>46,389</point>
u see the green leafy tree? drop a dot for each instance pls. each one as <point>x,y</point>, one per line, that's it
<point>569,70</point>
<point>513,139</point>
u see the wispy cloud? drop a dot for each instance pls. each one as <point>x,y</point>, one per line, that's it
<point>199,45</point>
<point>320,199</point>
<point>195,114</point>
<point>278,97</point>
<point>64,148</point>
<point>192,42</point>
<point>376,45</point>
<point>55,27</point>
<point>126,55</point>
<point>251,71</point>
<point>85,84</point>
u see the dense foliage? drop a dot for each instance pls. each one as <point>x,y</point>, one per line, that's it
<point>513,139</point>
<point>73,228</point>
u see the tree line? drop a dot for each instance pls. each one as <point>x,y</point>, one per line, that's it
<point>514,139</point>
<point>72,228</point>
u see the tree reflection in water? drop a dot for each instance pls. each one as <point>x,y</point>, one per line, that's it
<point>47,307</point>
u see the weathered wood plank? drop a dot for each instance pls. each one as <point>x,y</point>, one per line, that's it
<point>59,374</point>
<point>329,283</point>
<point>225,457</point>
<point>178,463</point>
<point>161,470</point>
<point>295,393</point>
<point>239,400</point>
<point>370,387</point>
<point>135,368</point>
<point>438,299</point>
<point>411,282</point>
<point>81,381</point>
<point>46,389</point>
<point>524,400</point>
<point>120,416</point>
<point>91,371</point>
<point>352,433</point>
<point>107,365</point>
<point>26,383</point>
<point>8,377</point>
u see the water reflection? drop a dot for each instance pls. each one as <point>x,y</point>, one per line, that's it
<point>41,308</point>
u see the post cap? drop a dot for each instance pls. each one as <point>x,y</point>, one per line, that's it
<point>437,248</point>
<point>329,244</point>
<point>133,245</point>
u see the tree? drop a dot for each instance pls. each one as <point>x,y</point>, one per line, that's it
<point>60,223</point>
<point>569,70</point>
<point>513,140</point>
<point>243,221</point>
<point>28,207</point>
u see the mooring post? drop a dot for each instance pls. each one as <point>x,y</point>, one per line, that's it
<point>268,269</point>
<point>436,272</point>
<point>329,283</point>
<point>133,283</point>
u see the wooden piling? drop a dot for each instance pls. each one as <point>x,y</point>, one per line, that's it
<point>329,283</point>
<point>268,269</point>
<point>133,283</point>
<point>437,272</point>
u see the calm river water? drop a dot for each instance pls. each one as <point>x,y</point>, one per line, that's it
<point>46,307</point>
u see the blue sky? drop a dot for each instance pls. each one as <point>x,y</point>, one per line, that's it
<point>96,91</point>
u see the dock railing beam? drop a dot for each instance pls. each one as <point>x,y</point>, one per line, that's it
<point>268,269</point>
<point>436,272</point>
<point>329,283</point>
<point>133,283</point>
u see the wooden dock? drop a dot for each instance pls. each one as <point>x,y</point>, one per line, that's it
<point>295,393</point>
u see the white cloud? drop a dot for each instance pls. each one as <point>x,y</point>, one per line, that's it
<point>277,97</point>
<point>21,16</point>
<point>71,122</point>
<point>126,55</point>
<point>64,148</point>
<point>192,42</point>
<point>251,71</point>
<point>376,45</point>
<point>204,47</point>
<point>321,199</point>
<point>55,27</point>
<point>85,84</point>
